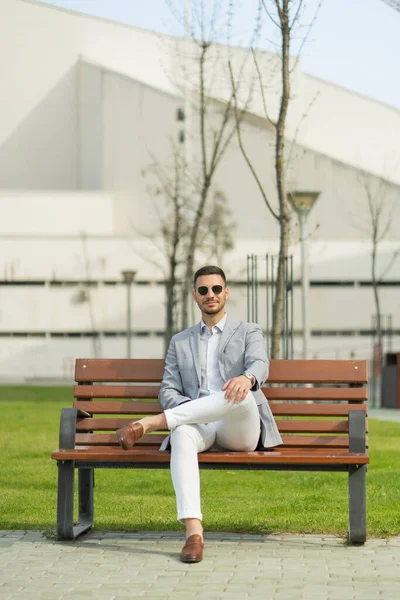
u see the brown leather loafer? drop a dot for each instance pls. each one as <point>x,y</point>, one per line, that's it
<point>128,436</point>
<point>192,551</point>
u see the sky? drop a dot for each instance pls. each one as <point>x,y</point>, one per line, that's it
<point>353,43</point>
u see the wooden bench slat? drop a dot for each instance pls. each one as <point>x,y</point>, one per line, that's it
<point>342,394</point>
<point>155,439</point>
<point>304,426</point>
<point>119,408</point>
<point>326,371</point>
<point>314,410</point>
<point>281,371</point>
<point>286,426</point>
<point>116,391</point>
<point>143,455</point>
<point>278,408</point>
<point>118,369</point>
<point>104,439</point>
<point>320,441</point>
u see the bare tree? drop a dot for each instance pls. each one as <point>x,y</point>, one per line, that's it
<point>212,125</point>
<point>168,235</point>
<point>285,15</point>
<point>377,226</point>
<point>171,235</point>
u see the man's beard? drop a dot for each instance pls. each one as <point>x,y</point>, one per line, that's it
<point>213,309</point>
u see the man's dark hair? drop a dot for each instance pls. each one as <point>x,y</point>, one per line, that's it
<point>208,270</point>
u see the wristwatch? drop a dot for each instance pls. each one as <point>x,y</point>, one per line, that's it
<point>251,377</point>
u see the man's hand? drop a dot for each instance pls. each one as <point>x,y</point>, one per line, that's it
<point>236,388</point>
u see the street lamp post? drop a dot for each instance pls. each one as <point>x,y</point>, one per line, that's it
<point>302,202</point>
<point>128,278</point>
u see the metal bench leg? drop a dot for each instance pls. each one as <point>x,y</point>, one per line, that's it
<point>357,504</point>
<point>65,500</point>
<point>85,493</point>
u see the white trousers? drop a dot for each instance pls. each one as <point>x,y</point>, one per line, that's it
<point>195,426</point>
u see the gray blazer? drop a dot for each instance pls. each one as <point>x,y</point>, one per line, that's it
<point>241,349</point>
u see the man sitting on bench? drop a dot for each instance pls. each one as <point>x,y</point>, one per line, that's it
<point>211,395</point>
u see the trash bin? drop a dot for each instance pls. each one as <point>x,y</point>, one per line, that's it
<point>391,381</point>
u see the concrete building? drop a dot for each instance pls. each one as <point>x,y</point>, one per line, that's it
<point>86,106</point>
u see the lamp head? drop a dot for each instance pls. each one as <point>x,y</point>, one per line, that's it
<point>128,276</point>
<point>302,201</point>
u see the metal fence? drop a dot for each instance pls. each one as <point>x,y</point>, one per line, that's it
<point>261,290</point>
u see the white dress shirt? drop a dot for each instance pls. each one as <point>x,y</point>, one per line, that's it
<point>211,378</point>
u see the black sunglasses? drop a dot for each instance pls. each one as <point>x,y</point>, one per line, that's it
<point>203,289</point>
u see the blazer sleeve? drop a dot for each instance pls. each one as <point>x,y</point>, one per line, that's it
<point>256,358</point>
<point>171,389</point>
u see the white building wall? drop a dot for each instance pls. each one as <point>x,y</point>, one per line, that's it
<point>41,46</point>
<point>50,359</point>
<point>139,129</point>
<point>90,117</point>
<point>55,213</point>
<point>354,129</point>
<point>61,308</point>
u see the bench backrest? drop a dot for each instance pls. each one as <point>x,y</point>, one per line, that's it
<point>310,399</point>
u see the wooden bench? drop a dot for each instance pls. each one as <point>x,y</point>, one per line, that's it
<point>323,429</point>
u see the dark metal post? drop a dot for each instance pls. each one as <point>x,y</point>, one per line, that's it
<point>357,479</point>
<point>253,289</point>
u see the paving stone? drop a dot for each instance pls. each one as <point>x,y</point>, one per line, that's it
<point>106,565</point>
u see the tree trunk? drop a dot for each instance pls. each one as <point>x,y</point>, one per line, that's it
<point>379,333</point>
<point>171,283</point>
<point>170,290</point>
<point>205,186</point>
<point>284,219</point>
<point>280,292</point>
<point>191,253</point>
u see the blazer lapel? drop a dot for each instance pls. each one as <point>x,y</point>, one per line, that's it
<point>195,348</point>
<point>229,330</point>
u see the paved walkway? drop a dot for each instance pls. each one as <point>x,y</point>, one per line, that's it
<point>384,414</point>
<point>116,565</point>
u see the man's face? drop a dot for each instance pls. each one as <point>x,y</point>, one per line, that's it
<point>211,302</point>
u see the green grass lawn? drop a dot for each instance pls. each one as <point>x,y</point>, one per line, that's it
<point>267,502</point>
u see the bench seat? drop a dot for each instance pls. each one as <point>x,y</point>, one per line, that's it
<point>287,456</point>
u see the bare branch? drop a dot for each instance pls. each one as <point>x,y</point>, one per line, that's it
<point>395,255</point>
<point>244,153</point>
<point>269,14</point>
<point>203,112</point>
<point>305,38</point>
<point>303,117</point>
<point>262,88</point>
<point>297,14</point>
<point>219,136</point>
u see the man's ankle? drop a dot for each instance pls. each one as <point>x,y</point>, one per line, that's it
<point>193,527</point>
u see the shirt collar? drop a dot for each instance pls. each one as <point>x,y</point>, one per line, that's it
<point>220,325</point>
